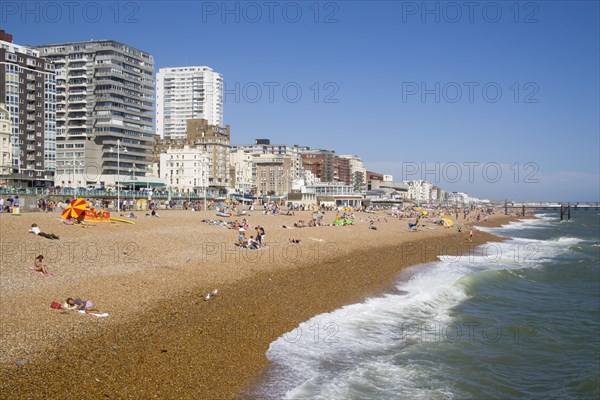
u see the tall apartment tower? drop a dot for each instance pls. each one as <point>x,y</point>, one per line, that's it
<point>357,172</point>
<point>185,93</point>
<point>321,163</point>
<point>28,86</point>
<point>105,100</point>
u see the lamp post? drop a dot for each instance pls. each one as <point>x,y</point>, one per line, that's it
<point>134,179</point>
<point>148,193</point>
<point>74,184</point>
<point>119,171</point>
<point>205,179</point>
<point>148,169</point>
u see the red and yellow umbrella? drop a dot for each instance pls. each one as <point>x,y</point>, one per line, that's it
<point>75,209</point>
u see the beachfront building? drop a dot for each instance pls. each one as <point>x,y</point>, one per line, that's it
<point>297,199</point>
<point>272,174</point>
<point>5,145</point>
<point>321,163</point>
<point>105,101</point>
<point>241,171</point>
<point>28,86</point>
<point>357,173</point>
<point>438,195</point>
<point>203,144</point>
<point>419,190</point>
<point>264,147</point>
<point>342,171</point>
<point>390,191</point>
<point>185,93</point>
<point>374,180</point>
<point>463,199</point>
<point>329,189</point>
<point>337,193</point>
<point>309,178</point>
<point>185,168</point>
<point>458,198</point>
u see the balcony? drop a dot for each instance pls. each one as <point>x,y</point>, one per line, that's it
<point>73,116</point>
<point>31,137</point>
<point>31,147</point>
<point>31,97</point>
<point>30,127</point>
<point>77,99</point>
<point>31,87</point>
<point>30,117</point>
<point>31,107</point>
<point>31,157</point>
<point>76,66</point>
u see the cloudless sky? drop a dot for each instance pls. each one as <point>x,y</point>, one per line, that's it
<point>498,99</point>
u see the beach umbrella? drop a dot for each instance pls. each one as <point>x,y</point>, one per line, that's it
<point>75,209</point>
<point>447,222</point>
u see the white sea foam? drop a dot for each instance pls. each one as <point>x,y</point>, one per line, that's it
<point>353,352</point>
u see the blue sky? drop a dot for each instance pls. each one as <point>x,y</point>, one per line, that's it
<point>500,100</point>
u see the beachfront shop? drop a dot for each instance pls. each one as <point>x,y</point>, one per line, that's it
<point>354,201</point>
<point>301,199</point>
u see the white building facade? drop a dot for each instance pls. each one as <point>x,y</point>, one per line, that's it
<point>184,93</point>
<point>186,169</point>
<point>241,166</point>
<point>419,190</point>
<point>5,141</point>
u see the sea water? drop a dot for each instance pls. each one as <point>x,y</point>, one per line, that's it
<point>516,319</point>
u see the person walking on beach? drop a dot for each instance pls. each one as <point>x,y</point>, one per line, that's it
<point>35,229</point>
<point>470,239</point>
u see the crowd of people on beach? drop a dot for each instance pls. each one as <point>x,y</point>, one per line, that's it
<point>254,242</point>
<point>9,204</point>
<point>416,218</point>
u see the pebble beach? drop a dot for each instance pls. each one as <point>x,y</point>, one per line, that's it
<point>162,339</point>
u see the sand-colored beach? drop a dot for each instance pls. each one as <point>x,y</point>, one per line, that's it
<point>162,339</point>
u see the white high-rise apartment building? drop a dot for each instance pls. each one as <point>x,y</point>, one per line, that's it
<point>184,93</point>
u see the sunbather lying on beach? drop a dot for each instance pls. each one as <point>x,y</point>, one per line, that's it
<point>81,305</point>
<point>35,229</point>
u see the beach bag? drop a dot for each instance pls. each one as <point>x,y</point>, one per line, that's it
<point>55,305</point>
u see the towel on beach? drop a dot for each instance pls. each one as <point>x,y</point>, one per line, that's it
<point>31,269</point>
<point>95,315</point>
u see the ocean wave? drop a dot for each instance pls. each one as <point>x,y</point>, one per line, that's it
<point>356,351</point>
